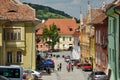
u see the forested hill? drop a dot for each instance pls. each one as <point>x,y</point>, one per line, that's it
<point>45,12</point>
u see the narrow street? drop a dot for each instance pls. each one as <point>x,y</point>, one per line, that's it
<point>77,74</point>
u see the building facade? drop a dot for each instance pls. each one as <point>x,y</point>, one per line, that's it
<point>17,34</point>
<point>85,42</point>
<point>99,22</point>
<point>113,13</point>
<point>66,28</point>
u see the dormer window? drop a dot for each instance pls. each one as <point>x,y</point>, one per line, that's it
<point>12,8</point>
<point>12,11</point>
<point>58,29</point>
<point>70,29</point>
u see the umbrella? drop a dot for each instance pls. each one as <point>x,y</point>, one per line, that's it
<point>47,62</point>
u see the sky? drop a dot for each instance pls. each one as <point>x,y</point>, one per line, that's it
<point>71,7</point>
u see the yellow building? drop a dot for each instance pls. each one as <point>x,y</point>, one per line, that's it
<point>92,47</point>
<point>17,34</point>
<point>85,43</point>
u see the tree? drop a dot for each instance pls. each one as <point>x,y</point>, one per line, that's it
<point>51,35</point>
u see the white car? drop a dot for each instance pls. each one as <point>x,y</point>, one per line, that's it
<point>36,74</point>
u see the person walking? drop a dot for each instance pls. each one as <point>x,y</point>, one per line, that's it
<point>68,66</point>
<point>60,66</point>
<point>72,66</point>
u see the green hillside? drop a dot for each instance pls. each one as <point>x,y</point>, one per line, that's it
<point>45,12</point>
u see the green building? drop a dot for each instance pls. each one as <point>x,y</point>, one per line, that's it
<point>113,13</point>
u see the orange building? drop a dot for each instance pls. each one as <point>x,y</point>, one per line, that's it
<point>66,28</point>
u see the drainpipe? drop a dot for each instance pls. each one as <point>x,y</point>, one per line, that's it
<point>32,44</point>
<point>3,45</point>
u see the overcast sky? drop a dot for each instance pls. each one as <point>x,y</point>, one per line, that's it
<point>71,7</point>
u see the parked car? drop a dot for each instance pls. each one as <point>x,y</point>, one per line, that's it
<point>36,74</point>
<point>75,61</point>
<point>86,66</point>
<point>97,75</point>
<point>3,78</point>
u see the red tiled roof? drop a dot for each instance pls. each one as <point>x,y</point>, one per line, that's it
<point>39,27</point>
<point>2,17</point>
<point>98,16</point>
<point>63,24</point>
<point>15,11</point>
<point>76,34</point>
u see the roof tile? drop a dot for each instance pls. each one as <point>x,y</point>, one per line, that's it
<point>15,11</point>
<point>66,26</point>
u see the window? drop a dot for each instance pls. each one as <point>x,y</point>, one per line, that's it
<point>46,45</point>
<point>79,43</point>
<point>63,45</point>
<point>113,55</point>
<point>109,28</point>
<point>63,38</point>
<point>12,34</point>
<point>41,46</point>
<point>19,56</point>
<point>99,36</point>
<point>70,29</point>
<point>103,59</point>
<point>70,39</point>
<point>96,37</point>
<point>58,29</point>
<point>9,57</point>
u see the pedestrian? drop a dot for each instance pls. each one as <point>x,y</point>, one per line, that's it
<point>68,66</point>
<point>72,66</point>
<point>60,66</point>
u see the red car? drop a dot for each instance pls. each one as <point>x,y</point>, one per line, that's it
<point>86,66</point>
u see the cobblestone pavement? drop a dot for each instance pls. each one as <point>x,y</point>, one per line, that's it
<point>76,74</point>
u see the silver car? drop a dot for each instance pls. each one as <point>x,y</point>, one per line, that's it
<point>97,75</point>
